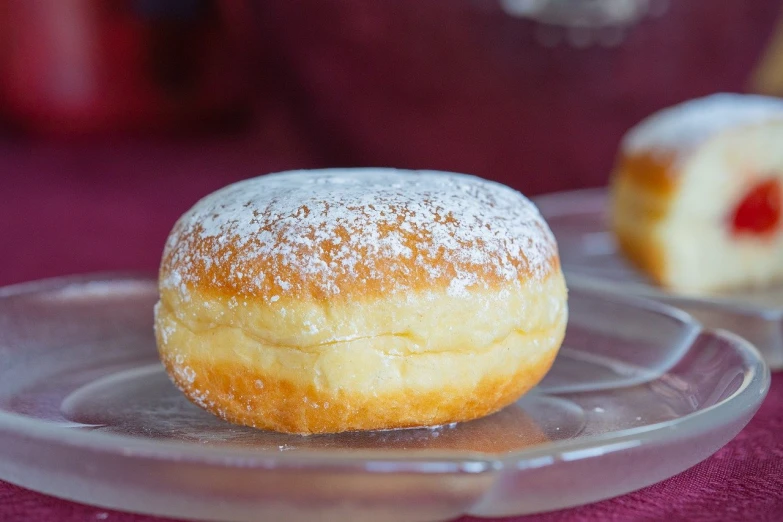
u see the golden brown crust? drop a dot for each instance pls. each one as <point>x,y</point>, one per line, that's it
<point>642,191</point>
<point>288,407</point>
<point>348,234</point>
<point>643,252</point>
<point>652,172</point>
<point>365,281</point>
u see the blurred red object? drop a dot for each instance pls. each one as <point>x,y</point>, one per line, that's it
<point>83,66</point>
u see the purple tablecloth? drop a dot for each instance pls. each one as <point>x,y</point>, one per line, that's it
<point>360,83</point>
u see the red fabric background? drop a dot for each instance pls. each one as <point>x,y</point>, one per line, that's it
<point>448,85</point>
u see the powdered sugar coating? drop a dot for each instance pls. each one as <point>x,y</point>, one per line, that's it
<point>678,129</point>
<point>350,232</point>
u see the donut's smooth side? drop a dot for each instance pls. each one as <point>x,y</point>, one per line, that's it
<point>226,360</point>
<point>642,190</point>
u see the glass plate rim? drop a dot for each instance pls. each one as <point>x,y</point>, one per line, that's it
<point>750,394</point>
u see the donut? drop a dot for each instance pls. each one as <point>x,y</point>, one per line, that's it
<point>340,300</point>
<point>695,197</point>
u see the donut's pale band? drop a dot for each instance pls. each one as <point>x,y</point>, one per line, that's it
<point>400,361</point>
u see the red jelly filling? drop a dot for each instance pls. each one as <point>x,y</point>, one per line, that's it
<point>759,212</point>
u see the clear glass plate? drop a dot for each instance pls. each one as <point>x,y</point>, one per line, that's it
<point>639,393</point>
<point>591,260</point>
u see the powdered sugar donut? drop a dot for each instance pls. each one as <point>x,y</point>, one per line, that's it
<point>697,195</point>
<point>356,299</point>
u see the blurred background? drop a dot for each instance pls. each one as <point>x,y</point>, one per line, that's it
<point>117,115</point>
